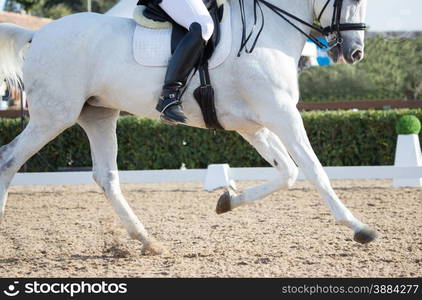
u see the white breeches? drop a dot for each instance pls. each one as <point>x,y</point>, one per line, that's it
<point>186,12</point>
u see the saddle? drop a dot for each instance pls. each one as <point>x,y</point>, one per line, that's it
<point>150,14</point>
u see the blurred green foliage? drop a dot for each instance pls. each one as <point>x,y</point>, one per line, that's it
<point>340,138</point>
<point>392,69</point>
<point>408,124</point>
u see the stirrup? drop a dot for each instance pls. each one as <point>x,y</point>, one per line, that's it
<point>167,101</point>
<point>173,117</point>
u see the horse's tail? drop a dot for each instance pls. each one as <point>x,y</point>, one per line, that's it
<point>13,43</point>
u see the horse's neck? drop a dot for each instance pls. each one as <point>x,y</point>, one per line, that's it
<point>278,34</point>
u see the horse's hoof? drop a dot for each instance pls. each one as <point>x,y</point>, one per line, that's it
<point>365,236</point>
<point>152,248</point>
<point>223,204</point>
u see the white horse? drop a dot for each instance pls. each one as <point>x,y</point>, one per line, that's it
<point>80,69</point>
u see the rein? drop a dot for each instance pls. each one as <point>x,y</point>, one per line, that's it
<point>335,28</point>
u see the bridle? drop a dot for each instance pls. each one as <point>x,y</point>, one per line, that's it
<point>335,29</point>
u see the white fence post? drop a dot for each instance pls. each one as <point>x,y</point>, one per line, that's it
<point>408,154</point>
<point>218,176</point>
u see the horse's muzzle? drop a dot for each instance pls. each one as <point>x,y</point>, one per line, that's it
<point>342,54</point>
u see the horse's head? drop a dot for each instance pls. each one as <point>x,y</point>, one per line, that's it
<point>344,20</point>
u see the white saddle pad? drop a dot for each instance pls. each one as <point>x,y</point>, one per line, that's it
<point>152,47</point>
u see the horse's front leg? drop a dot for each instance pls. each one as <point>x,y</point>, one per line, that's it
<point>284,119</point>
<point>272,150</point>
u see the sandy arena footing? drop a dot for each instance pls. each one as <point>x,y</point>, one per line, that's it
<point>71,231</point>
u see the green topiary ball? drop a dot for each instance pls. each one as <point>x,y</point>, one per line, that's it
<point>408,125</point>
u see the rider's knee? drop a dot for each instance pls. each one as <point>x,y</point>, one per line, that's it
<point>206,24</point>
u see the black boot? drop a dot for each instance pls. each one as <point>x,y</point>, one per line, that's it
<point>181,64</point>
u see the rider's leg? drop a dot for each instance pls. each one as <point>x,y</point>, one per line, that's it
<point>186,12</point>
<point>193,15</point>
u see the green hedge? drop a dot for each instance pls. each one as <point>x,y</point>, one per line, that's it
<point>339,139</point>
<point>392,69</point>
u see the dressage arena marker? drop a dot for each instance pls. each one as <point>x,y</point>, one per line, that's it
<point>408,153</point>
<point>218,176</point>
<point>225,175</point>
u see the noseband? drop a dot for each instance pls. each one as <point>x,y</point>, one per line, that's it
<point>336,27</point>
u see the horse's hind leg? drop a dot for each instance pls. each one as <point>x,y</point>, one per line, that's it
<point>100,126</point>
<point>273,151</point>
<point>12,156</point>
